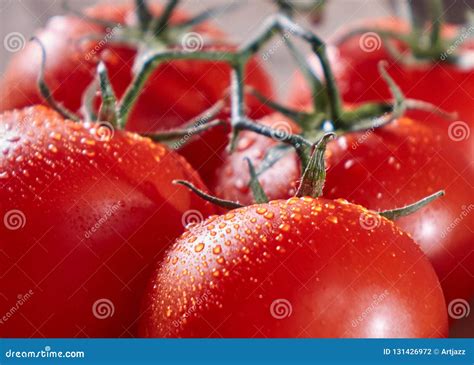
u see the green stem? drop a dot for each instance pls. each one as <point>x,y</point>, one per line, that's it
<point>237,100</point>
<point>144,14</point>
<point>257,190</point>
<point>282,24</point>
<point>163,20</point>
<point>237,91</point>
<point>297,141</point>
<point>45,91</point>
<point>410,208</point>
<point>227,204</point>
<point>416,20</point>
<point>108,108</point>
<point>293,114</point>
<point>207,115</point>
<point>285,7</point>
<point>149,66</point>
<point>179,133</point>
<point>314,176</point>
<point>437,22</point>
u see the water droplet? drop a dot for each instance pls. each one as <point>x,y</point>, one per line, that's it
<point>199,247</point>
<point>229,216</point>
<point>295,216</point>
<point>261,210</point>
<point>269,215</point>
<point>55,135</point>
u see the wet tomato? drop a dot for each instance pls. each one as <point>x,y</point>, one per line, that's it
<point>380,169</point>
<point>231,179</point>
<point>301,267</point>
<point>84,214</point>
<point>175,92</point>
<point>401,163</point>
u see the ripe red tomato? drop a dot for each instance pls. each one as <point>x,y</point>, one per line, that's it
<point>298,268</point>
<point>384,168</point>
<point>82,217</point>
<point>401,163</point>
<point>176,92</point>
<point>231,179</point>
<point>355,61</point>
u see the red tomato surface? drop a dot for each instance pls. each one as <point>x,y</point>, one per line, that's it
<point>231,180</point>
<point>176,92</point>
<point>82,217</point>
<point>298,268</point>
<point>382,169</point>
<point>399,164</point>
<point>355,62</point>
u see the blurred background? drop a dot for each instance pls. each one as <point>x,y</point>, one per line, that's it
<point>24,16</point>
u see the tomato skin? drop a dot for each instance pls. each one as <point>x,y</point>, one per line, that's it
<point>388,167</point>
<point>223,277</point>
<point>96,214</point>
<point>72,62</point>
<point>447,86</point>
<point>231,180</point>
<point>401,163</point>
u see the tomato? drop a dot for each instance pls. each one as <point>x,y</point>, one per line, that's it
<point>83,215</point>
<point>176,91</point>
<point>401,163</point>
<point>388,167</point>
<point>231,180</point>
<point>298,268</point>
<point>355,60</point>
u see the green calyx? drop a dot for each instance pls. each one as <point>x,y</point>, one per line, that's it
<point>425,42</point>
<point>152,32</point>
